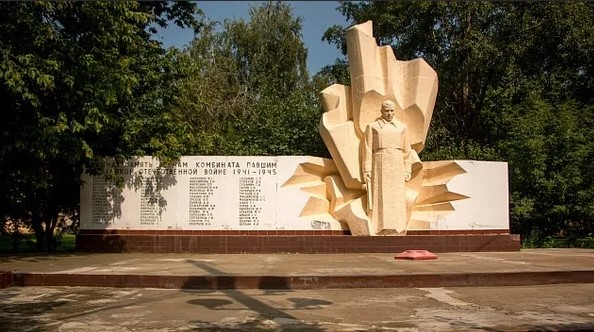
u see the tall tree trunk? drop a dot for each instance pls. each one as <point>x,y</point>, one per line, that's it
<point>36,223</point>
<point>50,226</point>
<point>16,236</point>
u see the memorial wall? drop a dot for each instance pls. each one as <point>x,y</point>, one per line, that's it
<point>250,193</point>
<point>199,193</point>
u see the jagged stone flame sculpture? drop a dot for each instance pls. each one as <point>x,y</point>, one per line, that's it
<point>337,187</point>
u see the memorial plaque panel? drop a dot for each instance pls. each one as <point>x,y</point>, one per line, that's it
<point>201,193</point>
<point>247,193</point>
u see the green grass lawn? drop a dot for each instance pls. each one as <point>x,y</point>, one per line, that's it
<point>560,242</point>
<point>27,243</point>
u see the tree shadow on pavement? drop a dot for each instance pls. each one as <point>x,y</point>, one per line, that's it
<point>35,311</point>
<point>460,325</point>
<point>269,317</point>
<point>22,315</point>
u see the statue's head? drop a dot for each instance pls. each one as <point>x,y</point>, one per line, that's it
<point>388,110</point>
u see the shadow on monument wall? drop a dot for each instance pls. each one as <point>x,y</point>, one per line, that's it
<point>108,188</point>
<point>229,286</point>
<point>104,244</point>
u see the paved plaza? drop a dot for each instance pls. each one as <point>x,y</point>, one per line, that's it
<point>561,307</point>
<point>530,294</point>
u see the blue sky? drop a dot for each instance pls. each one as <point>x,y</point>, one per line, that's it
<point>317,17</point>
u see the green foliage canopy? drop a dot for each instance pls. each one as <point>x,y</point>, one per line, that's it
<point>249,92</point>
<point>80,80</point>
<point>516,82</point>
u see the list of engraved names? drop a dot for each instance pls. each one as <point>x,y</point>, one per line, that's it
<point>251,200</point>
<point>201,207</point>
<point>217,193</point>
<point>100,203</point>
<point>150,203</point>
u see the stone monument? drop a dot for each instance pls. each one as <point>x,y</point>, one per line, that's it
<point>374,186</point>
<point>387,165</point>
<point>374,131</point>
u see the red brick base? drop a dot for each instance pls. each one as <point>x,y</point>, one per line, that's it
<point>305,282</point>
<point>305,242</point>
<point>6,279</point>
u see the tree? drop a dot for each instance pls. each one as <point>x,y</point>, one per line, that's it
<point>249,92</point>
<point>513,82</point>
<point>268,49</point>
<point>80,80</point>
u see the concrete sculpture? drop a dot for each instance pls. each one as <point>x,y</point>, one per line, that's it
<point>374,131</point>
<point>387,164</point>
